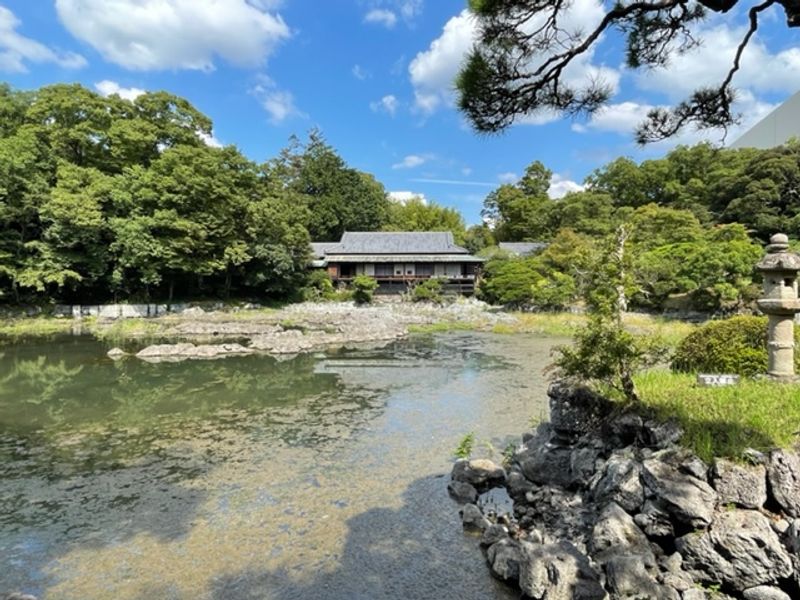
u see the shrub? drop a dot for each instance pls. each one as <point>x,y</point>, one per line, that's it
<point>318,286</point>
<point>429,290</point>
<point>555,291</point>
<point>363,289</point>
<point>736,345</point>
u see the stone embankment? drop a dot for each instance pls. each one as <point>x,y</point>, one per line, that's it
<point>612,507</point>
<point>300,328</point>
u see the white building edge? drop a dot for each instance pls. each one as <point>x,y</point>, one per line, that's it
<point>777,128</point>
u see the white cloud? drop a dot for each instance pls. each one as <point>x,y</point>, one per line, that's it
<point>403,197</point>
<point>381,16</point>
<point>561,186</point>
<point>16,50</point>
<point>210,139</point>
<point>388,104</point>
<point>359,72</point>
<point>508,178</point>
<point>278,103</point>
<point>624,117</point>
<point>412,161</point>
<point>433,71</point>
<point>708,64</point>
<point>175,34</point>
<point>619,118</point>
<point>466,171</point>
<point>109,88</point>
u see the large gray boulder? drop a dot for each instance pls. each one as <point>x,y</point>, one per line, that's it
<point>615,534</point>
<point>547,464</point>
<point>740,550</point>
<point>472,518</point>
<point>742,485</point>
<point>504,559</point>
<point>783,472</point>
<point>480,473</point>
<point>558,572</point>
<point>462,492</point>
<point>493,534</point>
<point>765,592</point>
<point>517,484</point>
<point>628,577</point>
<point>689,499</point>
<point>619,481</point>
<point>654,520</point>
<point>575,411</point>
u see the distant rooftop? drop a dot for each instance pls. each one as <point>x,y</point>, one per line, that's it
<point>522,248</point>
<point>401,242</point>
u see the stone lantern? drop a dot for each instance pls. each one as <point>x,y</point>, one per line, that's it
<point>780,303</point>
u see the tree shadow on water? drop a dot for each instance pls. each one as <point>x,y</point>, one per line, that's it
<point>417,551</point>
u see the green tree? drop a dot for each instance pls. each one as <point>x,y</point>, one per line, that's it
<point>604,352</point>
<point>478,237</point>
<point>417,215</point>
<point>524,211</point>
<point>338,198</point>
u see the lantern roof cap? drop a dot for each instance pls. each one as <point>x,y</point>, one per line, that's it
<point>778,257</point>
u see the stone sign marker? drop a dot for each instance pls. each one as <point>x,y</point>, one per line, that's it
<point>713,380</point>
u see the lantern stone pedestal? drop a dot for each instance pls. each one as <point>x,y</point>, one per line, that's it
<point>780,303</point>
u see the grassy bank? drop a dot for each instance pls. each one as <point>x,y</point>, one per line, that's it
<point>564,325</point>
<point>724,421</point>
<point>37,326</point>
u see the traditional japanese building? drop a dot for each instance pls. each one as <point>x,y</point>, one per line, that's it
<point>399,260</point>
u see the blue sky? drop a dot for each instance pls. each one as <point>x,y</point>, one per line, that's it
<point>375,76</point>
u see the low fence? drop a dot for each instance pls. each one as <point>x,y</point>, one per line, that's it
<point>117,311</point>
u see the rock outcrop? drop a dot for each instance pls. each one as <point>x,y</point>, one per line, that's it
<point>177,352</point>
<point>608,505</point>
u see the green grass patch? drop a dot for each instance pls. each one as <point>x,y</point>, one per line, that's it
<point>724,421</point>
<point>36,326</point>
<point>563,325</point>
<point>448,326</point>
<point>566,324</point>
<point>123,329</point>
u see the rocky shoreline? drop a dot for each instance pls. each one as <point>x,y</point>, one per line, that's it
<point>300,328</point>
<point>612,507</point>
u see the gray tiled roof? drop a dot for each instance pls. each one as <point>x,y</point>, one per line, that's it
<point>319,249</point>
<point>522,248</point>
<point>405,242</point>
<point>405,258</point>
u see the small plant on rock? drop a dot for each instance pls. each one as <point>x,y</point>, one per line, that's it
<point>363,289</point>
<point>465,446</point>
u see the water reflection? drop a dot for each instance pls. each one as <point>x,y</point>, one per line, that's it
<point>177,480</point>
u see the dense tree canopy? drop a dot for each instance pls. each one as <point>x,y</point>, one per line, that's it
<point>689,216</point>
<point>521,62</point>
<point>416,214</point>
<point>106,197</point>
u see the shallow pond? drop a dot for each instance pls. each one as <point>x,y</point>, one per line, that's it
<point>250,478</point>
